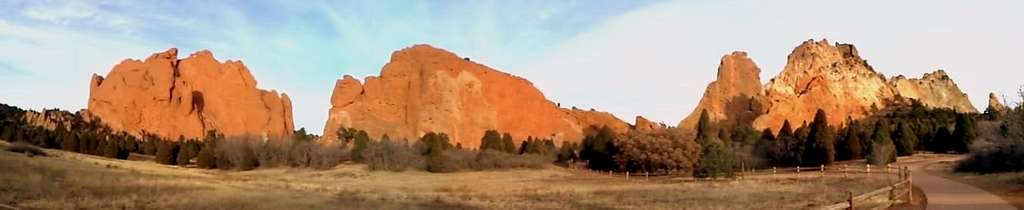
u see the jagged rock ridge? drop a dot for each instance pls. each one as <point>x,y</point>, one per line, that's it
<point>818,75</point>
<point>426,89</point>
<point>173,98</point>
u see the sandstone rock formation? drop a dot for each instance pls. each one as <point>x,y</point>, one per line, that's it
<point>643,124</point>
<point>935,90</point>
<point>173,97</point>
<point>995,105</point>
<point>734,97</point>
<point>424,89</point>
<point>817,75</point>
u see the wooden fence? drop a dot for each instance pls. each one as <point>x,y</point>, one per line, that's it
<point>877,199</point>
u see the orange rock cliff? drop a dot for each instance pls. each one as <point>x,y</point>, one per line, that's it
<point>173,97</point>
<point>425,89</point>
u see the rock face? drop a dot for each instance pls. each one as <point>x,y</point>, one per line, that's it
<point>934,90</point>
<point>173,97</point>
<point>817,75</point>
<point>734,97</point>
<point>643,124</point>
<point>995,105</point>
<point>425,89</point>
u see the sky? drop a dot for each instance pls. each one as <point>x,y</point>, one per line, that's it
<point>649,58</point>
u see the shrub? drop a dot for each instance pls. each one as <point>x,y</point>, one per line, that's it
<point>167,153</point>
<point>568,152</point>
<point>361,139</point>
<point>660,150</point>
<point>490,159</point>
<point>599,149</point>
<point>1003,157</point>
<point>491,140</point>
<point>237,154</point>
<point>391,156</point>
<point>715,160</point>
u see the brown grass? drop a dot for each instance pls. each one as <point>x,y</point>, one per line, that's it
<point>72,181</point>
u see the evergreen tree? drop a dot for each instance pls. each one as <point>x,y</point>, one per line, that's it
<point>906,140</point>
<point>704,128</point>
<point>361,140</point>
<point>964,134</point>
<point>820,145</point>
<point>167,153</point>
<point>882,149</point>
<point>508,144</point>
<point>599,149</point>
<point>491,140</point>
<point>716,160</point>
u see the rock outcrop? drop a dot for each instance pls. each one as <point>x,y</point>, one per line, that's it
<point>995,105</point>
<point>934,90</point>
<point>426,89</point>
<point>734,97</point>
<point>817,75</point>
<point>643,124</point>
<point>172,97</point>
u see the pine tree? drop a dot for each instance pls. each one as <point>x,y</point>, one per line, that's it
<point>491,140</point>
<point>964,134</point>
<point>882,149</point>
<point>820,144</point>
<point>906,140</point>
<point>704,128</point>
<point>508,144</point>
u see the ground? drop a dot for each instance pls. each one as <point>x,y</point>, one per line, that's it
<point>64,180</point>
<point>1008,187</point>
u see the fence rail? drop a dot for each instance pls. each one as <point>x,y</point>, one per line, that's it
<point>879,198</point>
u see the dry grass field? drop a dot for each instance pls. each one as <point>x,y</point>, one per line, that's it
<point>64,180</point>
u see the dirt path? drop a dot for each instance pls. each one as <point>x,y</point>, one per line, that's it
<point>943,193</point>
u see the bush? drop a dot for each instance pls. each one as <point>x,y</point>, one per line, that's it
<point>1003,157</point>
<point>660,150</point>
<point>568,152</point>
<point>167,153</point>
<point>490,159</point>
<point>22,147</point>
<point>237,154</point>
<point>391,156</point>
<point>599,149</point>
<point>715,160</point>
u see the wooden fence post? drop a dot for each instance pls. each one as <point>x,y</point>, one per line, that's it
<point>773,171</point>
<point>844,170</point>
<point>850,199</point>
<point>910,187</point>
<point>868,170</point>
<point>823,169</point>
<point>647,175</point>
<point>627,175</point>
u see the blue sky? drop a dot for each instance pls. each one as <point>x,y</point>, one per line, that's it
<point>650,58</point>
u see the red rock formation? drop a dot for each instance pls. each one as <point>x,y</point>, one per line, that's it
<point>424,89</point>
<point>995,105</point>
<point>934,90</point>
<point>173,97</point>
<point>643,124</point>
<point>734,97</point>
<point>818,75</point>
